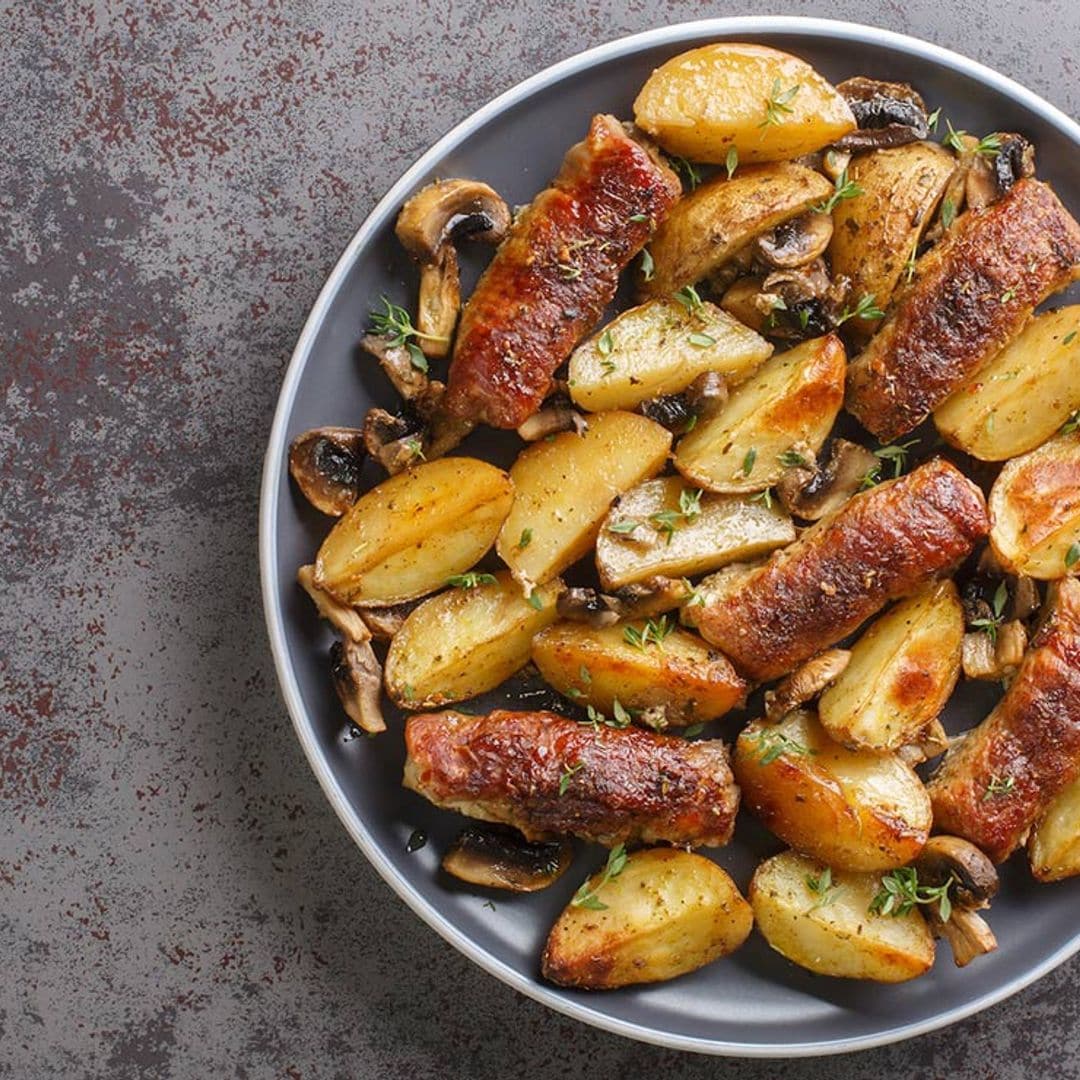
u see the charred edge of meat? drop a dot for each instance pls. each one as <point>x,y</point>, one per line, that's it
<point>813,491</point>
<point>326,464</point>
<point>501,858</point>
<point>888,114</point>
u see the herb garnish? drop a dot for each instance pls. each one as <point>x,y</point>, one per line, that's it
<point>525,539</point>
<point>792,459</point>
<point>396,326</point>
<point>731,162</point>
<point>864,309</point>
<point>470,580</point>
<point>1069,338</point>
<point>417,839</point>
<point>844,189</point>
<point>772,744</point>
<point>948,213</point>
<point>822,887</point>
<point>900,892</point>
<point>933,118</point>
<point>1072,556</point>
<point>688,297</point>
<point>765,497</point>
<point>605,344</point>
<point>748,461</point>
<point>702,341</point>
<point>692,731</point>
<point>648,267</point>
<point>896,453</point>
<point>989,626</point>
<point>568,774</point>
<point>686,171</point>
<point>652,633</point>
<point>586,897</point>
<point>535,602</point>
<point>624,527</point>
<point>999,785</point>
<point>777,104</point>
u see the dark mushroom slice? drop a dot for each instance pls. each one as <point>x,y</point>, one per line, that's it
<point>385,622</point>
<point>701,400</point>
<point>805,683</point>
<point>974,883</point>
<point>642,600</point>
<point>587,606</point>
<point>810,492</point>
<point>795,242</point>
<point>357,677</point>
<point>428,226</point>
<point>326,463</point>
<point>1025,600</point>
<point>501,858</point>
<point>992,171</point>
<point>888,114</point>
<point>346,620</point>
<point>552,418</point>
<point>392,440</point>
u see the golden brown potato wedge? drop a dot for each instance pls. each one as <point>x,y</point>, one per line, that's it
<point>667,527</point>
<point>853,809</point>
<point>877,232</point>
<point>1054,846</point>
<point>646,917</point>
<point>677,681</point>
<point>821,921</point>
<point>658,348</point>
<point>790,404</point>
<point>407,535</point>
<point>466,641</point>
<point>706,228</point>
<point>1035,511</point>
<point>766,104</point>
<point>564,488</point>
<point>1022,396</point>
<point>901,672</point>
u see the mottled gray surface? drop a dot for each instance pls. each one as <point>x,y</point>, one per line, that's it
<point>176,898</point>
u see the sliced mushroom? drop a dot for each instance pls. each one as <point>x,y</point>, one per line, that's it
<point>795,242</point>
<point>326,463</point>
<point>888,114</point>
<point>551,419</point>
<point>974,881</point>
<point>933,740</point>
<point>991,174</point>
<point>357,679</point>
<point>834,162</point>
<point>501,858</point>
<point>384,623</point>
<point>670,410</point>
<point>707,394</point>
<point>994,657</point>
<point>392,441</point>
<point>1025,598</point>
<point>408,380</point>
<point>805,683</point>
<point>427,227</point>
<point>642,600</point>
<point>810,492</point>
<point>346,620</point>
<point>587,606</point>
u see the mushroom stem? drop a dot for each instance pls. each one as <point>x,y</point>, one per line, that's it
<point>550,420</point>
<point>805,682</point>
<point>346,620</point>
<point>967,933</point>
<point>357,679</point>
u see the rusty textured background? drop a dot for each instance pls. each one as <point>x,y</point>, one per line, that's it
<point>176,898</point>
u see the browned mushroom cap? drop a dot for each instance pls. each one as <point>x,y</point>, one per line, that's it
<point>975,877</point>
<point>809,492</point>
<point>701,400</point>
<point>642,600</point>
<point>1025,597</point>
<point>1005,159</point>
<point>551,419</point>
<point>326,463</point>
<point>888,114</point>
<point>385,622</point>
<point>587,606</point>
<point>428,225</point>
<point>805,683</point>
<point>501,858</point>
<point>795,242</point>
<point>357,679</point>
<point>391,441</point>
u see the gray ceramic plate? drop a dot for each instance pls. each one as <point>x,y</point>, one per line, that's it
<point>753,1003</point>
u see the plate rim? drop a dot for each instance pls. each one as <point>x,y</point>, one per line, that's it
<point>274,464</point>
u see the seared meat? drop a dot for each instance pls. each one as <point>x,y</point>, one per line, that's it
<point>974,292</point>
<point>995,782</point>
<point>880,545</point>
<point>619,785</point>
<point>555,273</point>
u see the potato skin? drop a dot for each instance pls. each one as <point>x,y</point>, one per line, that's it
<point>1032,738</point>
<point>406,536</point>
<point>882,544</point>
<point>667,913</point>
<point>704,101</point>
<point>1035,510</point>
<point>839,937</point>
<point>465,642</point>
<point>708,226</point>
<point>853,809</point>
<point>901,672</point>
<point>1054,847</point>
<point>973,292</point>
<point>689,681</point>
<point>1022,396</point>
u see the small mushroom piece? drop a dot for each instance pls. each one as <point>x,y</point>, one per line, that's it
<point>707,394</point>
<point>428,225</point>
<point>795,242</point>
<point>811,493</point>
<point>1025,598</point>
<point>587,606</point>
<point>326,463</point>
<point>834,162</point>
<point>357,677</point>
<point>974,884</point>
<point>933,740</point>
<point>669,410</point>
<point>993,171</point>
<point>391,442</point>
<point>501,858</point>
<point>805,683</point>
<point>346,620</point>
<point>994,656</point>
<point>408,380</point>
<point>384,623</point>
<point>551,419</point>
<point>888,114</point>
<point>653,596</point>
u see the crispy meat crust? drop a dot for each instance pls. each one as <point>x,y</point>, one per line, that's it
<point>631,786</point>
<point>974,292</point>
<point>552,277</point>
<point>1032,738</point>
<point>881,545</point>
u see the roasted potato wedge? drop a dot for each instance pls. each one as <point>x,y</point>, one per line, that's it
<point>466,641</point>
<point>901,672</point>
<point>877,232</point>
<point>766,104</point>
<point>854,809</point>
<point>823,923</point>
<point>790,403</point>
<point>682,532</point>
<point>407,535</point>
<point>706,228</point>
<point>660,347</point>
<point>664,913</point>
<point>679,681</point>
<point>1054,846</point>
<point>1022,396</point>
<point>1035,511</point>
<point>564,488</point>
